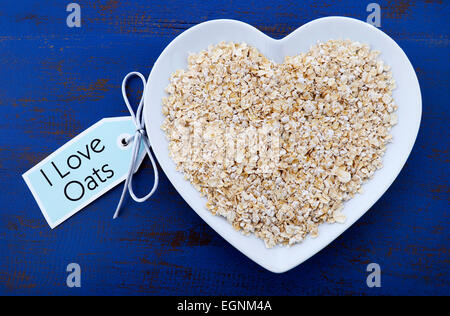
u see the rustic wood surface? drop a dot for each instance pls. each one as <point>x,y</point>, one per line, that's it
<point>56,81</point>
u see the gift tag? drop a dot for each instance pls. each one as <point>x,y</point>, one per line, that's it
<point>84,168</point>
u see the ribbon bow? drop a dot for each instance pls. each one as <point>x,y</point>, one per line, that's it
<point>140,136</point>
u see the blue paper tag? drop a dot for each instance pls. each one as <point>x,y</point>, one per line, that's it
<point>83,169</point>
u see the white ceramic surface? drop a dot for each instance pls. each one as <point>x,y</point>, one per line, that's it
<point>407,95</point>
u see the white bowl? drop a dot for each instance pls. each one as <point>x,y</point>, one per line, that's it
<point>407,96</point>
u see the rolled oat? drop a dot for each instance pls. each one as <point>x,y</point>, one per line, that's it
<point>328,113</point>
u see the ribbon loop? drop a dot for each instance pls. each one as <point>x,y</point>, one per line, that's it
<point>140,136</point>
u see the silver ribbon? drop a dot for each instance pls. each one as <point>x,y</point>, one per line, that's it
<point>139,137</point>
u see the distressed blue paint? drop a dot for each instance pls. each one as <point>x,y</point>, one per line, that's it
<point>56,81</point>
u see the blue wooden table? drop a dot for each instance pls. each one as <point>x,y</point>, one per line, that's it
<point>56,81</point>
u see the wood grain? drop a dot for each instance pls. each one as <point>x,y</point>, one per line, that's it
<point>56,81</point>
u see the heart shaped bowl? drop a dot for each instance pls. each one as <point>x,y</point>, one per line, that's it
<point>407,96</point>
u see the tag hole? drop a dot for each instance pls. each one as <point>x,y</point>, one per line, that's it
<point>123,141</point>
